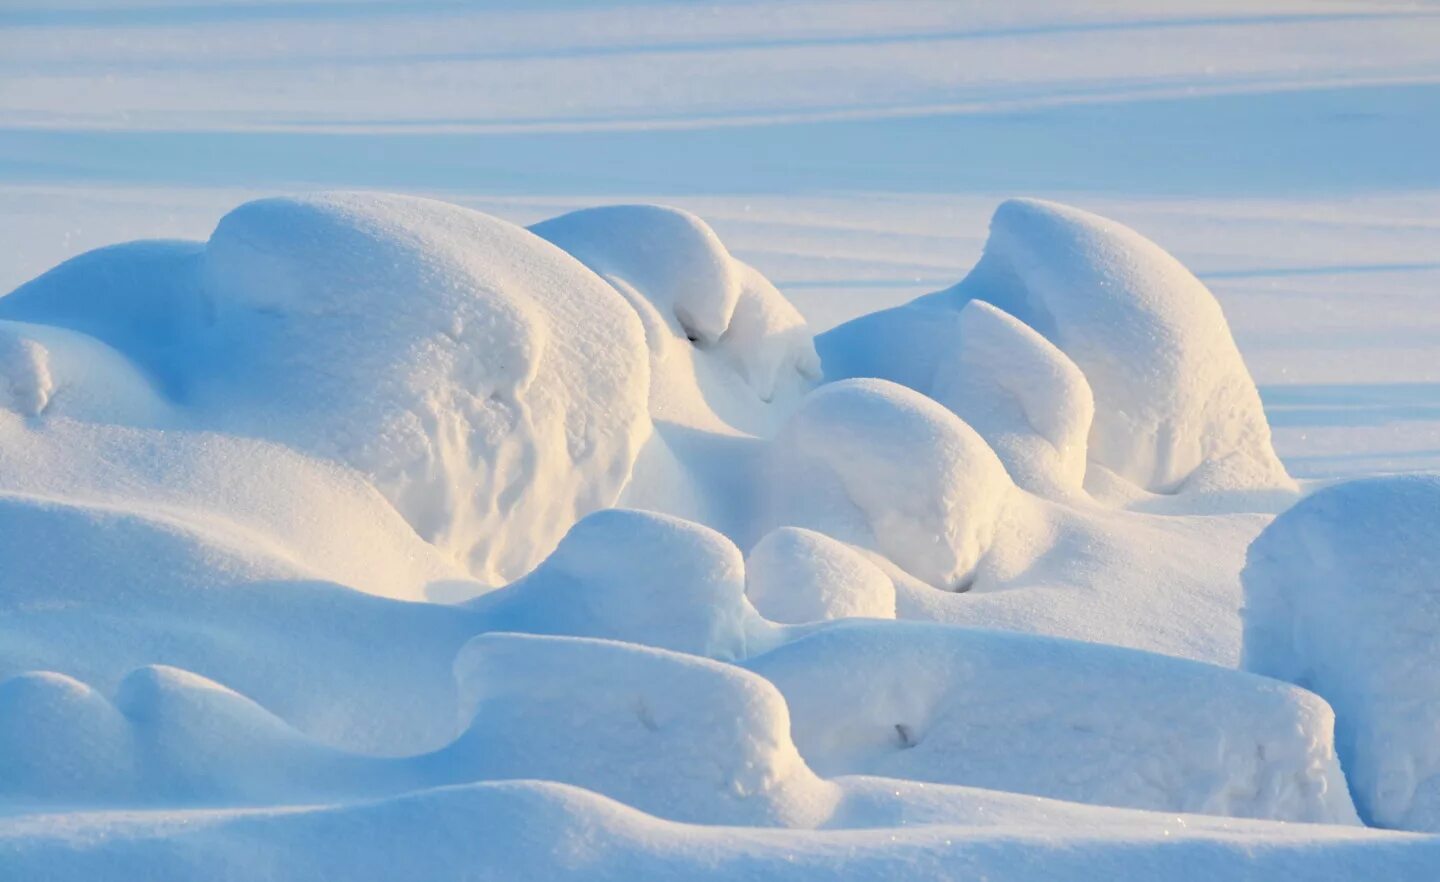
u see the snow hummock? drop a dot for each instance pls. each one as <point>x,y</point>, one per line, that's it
<point>1174,407</point>
<point>881,466</point>
<point>1341,598</point>
<point>637,576</point>
<point>1024,396</point>
<point>996,710</point>
<point>794,575</point>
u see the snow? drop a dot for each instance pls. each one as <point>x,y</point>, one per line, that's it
<point>794,575</point>
<point>517,528</point>
<point>1340,597</point>
<point>881,466</point>
<point>636,576</point>
<point>1174,407</point>
<point>993,710</point>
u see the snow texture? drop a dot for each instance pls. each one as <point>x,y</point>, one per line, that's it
<point>1341,598</point>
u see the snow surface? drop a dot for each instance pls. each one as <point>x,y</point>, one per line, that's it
<point>1340,596</point>
<point>512,533</point>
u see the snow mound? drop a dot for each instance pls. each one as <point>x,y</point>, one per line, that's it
<point>677,736</point>
<point>1055,718</point>
<point>92,592</point>
<point>61,741</point>
<point>636,576</point>
<point>58,372</point>
<point>1175,407</point>
<point>1341,598</point>
<point>143,299</point>
<point>1024,396</point>
<point>491,387</point>
<point>794,575</point>
<point>880,466</point>
<point>689,290</point>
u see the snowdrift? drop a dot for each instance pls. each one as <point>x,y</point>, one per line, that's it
<point>542,552</point>
<point>1341,598</point>
<point>1174,407</point>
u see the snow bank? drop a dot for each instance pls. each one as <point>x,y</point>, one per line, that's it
<point>674,735</point>
<point>1026,398</point>
<point>795,575</point>
<point>62,742</point>
<point>880,466</point>
<point>1060,719</point>
<point>1175,408</point>
<point>635,576</point>
<point>1341,598</point>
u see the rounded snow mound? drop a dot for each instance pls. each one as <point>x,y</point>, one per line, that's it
<point>636,576</point>
<point>680,737</point>
<point>883,467</point>
<point>710,319</point>
<point>488,384</point>
<point>1341,597</point>
<point>96,591</point>
<point>1174,407</point>
<point>1022,394</point>
<point>794,575</point>
<point>58,372</point>
<point>61,741</point>
<point>1056,718</point>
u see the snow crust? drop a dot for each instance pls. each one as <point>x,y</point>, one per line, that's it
<point>1340,598</point>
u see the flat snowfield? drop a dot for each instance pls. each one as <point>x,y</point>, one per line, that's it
<point>755,439</point>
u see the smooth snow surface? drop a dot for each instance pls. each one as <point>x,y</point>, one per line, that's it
<point>1341,597</point>
<point>618,505</point>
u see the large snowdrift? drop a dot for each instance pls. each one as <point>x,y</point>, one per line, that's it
<point>1174,407</point>
<point>492,388</point>
<point>250,489</point>
<point>1341,598</point>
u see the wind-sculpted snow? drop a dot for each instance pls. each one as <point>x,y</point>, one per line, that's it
<point>884,467</point>
<point>256,495</point>
<point>491,387</point>
<point>794,575</point>
<point>1341,597</point>
<point>637,576</point>
<point>1060,719</point>
<point>1024,396</point>
<point>1174,406</point>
